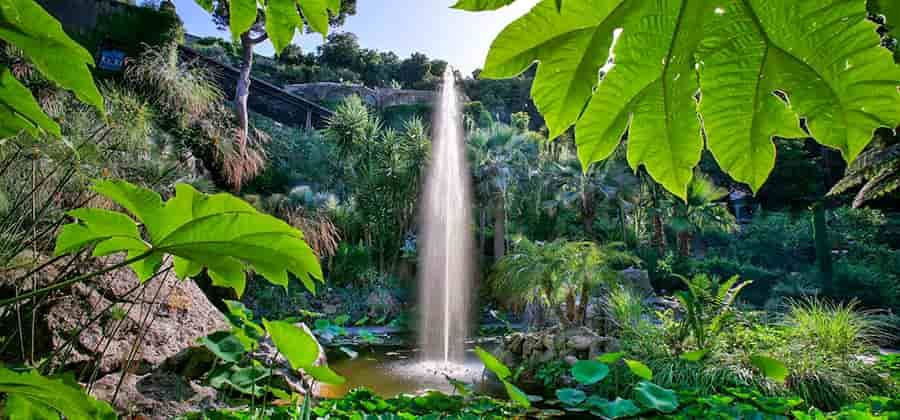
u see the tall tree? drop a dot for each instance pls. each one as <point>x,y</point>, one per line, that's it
<point>255,21</point>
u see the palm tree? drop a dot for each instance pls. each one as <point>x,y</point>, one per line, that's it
<point>701,212</point>
<point>553,272</point>
<point>499,155</point>
<point>877,170</point>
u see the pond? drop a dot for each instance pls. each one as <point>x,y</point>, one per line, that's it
<point>391,372</point>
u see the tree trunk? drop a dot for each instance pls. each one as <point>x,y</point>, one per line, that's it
<point>659,233</point>
<point>588,214</point>
<point>481,235</point>
<point>242,91</point>
<point>684,243</point>
<point>823,247</point>
<point>499,228</point>
<point>582,306</point>
<point>571,311</point>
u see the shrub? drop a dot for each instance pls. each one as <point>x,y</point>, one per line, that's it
<point>833,329</point>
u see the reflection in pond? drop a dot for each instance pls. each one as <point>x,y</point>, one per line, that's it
<point>391,373</point>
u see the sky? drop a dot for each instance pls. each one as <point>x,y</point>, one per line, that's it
<point>402,26</point>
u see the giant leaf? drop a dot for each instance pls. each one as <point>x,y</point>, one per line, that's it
<point>241,16</point>
<point>750,70</point>
<point>301,350</point>
<point>19,111</point>
<point>492,364</point>
<point>480,5</point>
<point>282,22</point>
<point>771,368</point>
<point>219,232</point>
<point>589,372</point>
<point>27,26</point>
<point>34,395</point>
<point>656,397</point>
<point>316,14</point>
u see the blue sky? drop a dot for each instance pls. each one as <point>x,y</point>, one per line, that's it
<point>401,26</point>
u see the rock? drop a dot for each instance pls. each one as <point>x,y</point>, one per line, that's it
<point>154,321</point>
<point>155,395</point>
<point>570,360</point>
<point>637,278</point>
<point>382,304</point>
<point>580,342</point>
<point>330,309</point>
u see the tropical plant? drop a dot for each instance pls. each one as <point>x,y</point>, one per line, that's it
<point>498,154</point>
<point>701,212</point>
<point>708,305</point>
<point>32,396</point>
<point>40,37</point>
<point>658,58</point>
<point>558,271</point>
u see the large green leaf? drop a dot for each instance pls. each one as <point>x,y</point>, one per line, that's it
<point>589,372</point>
<point>616,409</point>
<point>492,364</point>
<point>219,232</point>
<point>316,14</point>
<point>241,16</point>
<point>36,396</point>
<point>656,397</point>
<point>295,343</point>
<point>639,369</point>
<point>770,367</point>
<point>517,395</point>
<point>225,345</point>
<point>19,111</point>
<point>28,27</point>
<point>282,22</point>
<point>748,69</point>
<point>570,396</point>
<point>480,5</point>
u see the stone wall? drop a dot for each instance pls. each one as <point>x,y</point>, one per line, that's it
<point>381,98</point>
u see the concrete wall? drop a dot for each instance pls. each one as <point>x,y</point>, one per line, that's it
<point>330,92</point>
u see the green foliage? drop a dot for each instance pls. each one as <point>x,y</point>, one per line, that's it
<point>30,395</point>
<point>639,369</point>
<point>481,5</point>
<point>589,372</point>
<point>832,328</point>
<point>655,397</point>
<point>708,307</point>
<point>505,375</point>
<point>301,350</point>
<point>657,69</point>
<point>363,403</point>
<point>218,232</point>
<point>770,367</point>
<point>29,28</point>
<point>282,17</point>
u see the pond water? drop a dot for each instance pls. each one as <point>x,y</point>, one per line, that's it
<point>395,372</point>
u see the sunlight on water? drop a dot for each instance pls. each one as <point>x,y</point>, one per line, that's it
<point>446,236</point>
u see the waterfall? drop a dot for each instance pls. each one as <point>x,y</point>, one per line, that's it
<point>445,243</point>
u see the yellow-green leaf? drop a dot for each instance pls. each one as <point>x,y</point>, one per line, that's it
<point>480,5</point>
<point>241,16</point>
<point>19,111</point>
<point>282,21</point>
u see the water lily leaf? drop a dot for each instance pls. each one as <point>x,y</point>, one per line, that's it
<point>610,358</point>
<point>639,369</point>
<point>617,409</point>
<point>771,368</point>
<point>570,396</point>
<point>656,397</point>
<point>492,364</point>
<point>589,372</point>
<point>36,395</point>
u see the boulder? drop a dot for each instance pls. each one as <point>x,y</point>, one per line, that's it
<point>154,395</point>
<point>152,322</point>
<point>383,304</point>
<point>637,278</point>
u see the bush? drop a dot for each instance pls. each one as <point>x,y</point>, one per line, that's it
<point>763,280</point>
